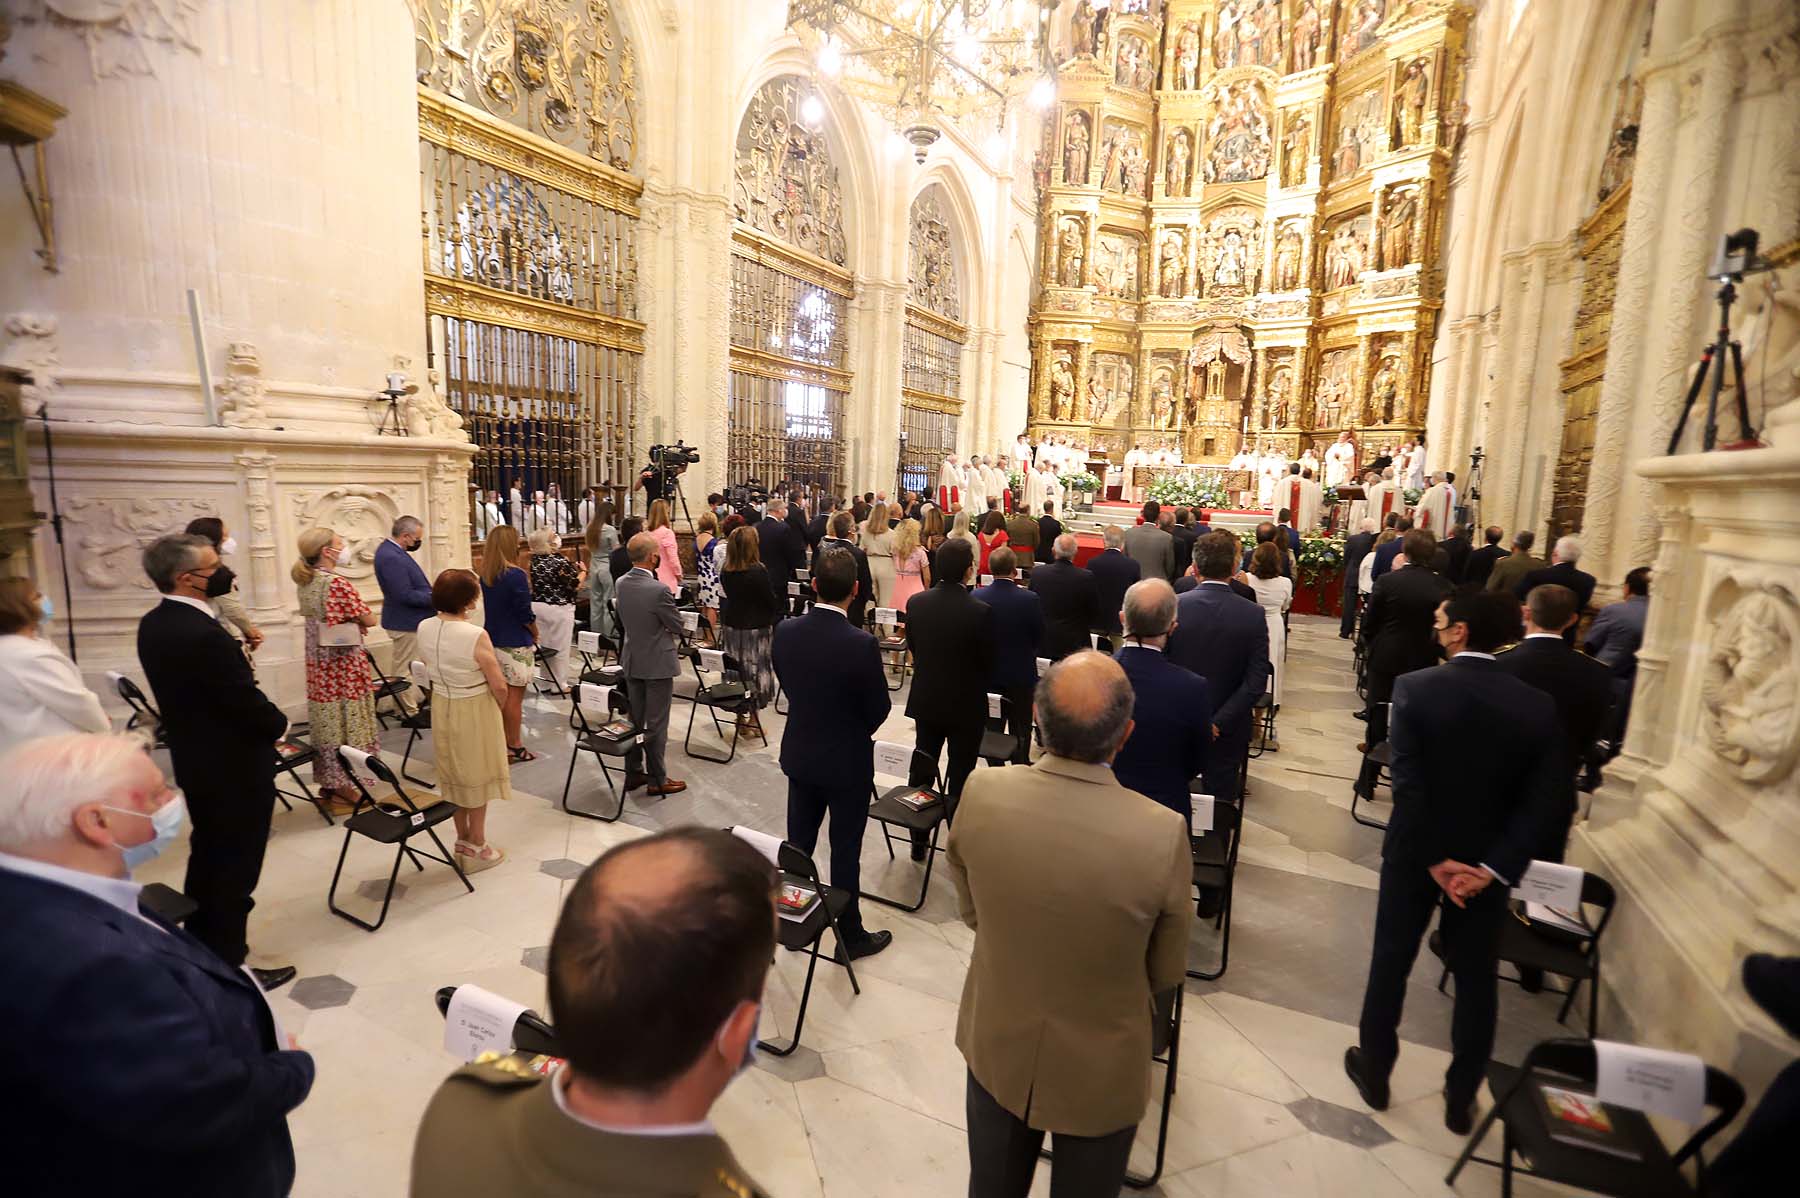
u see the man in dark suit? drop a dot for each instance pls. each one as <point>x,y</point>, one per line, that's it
<point>1458,839</point>
<point>1224,638</point>
<point>1397,630</point>
<point>1457,548</point>
<point>1152,547</point>
<point>796,517</point>
<point>1356,547</point>
<point>1171,710</point>
<point>1049,528</point>
<point>1185,532</point>
<point>841,530</point>
<point>1071,598</point>
<point>1018,634</point>
<point>650,625</point>
<point>221,731</point>
<point>837,692</point>
<point>820,525</point>
<point>1563,572</point>
<point>1265,532</point>
<point>1614,639</point>
<point>1385,555</point>
<point>783,553</point>
<point>1115,573</point>
<point>1481,561</point>
<point>951,634</point>
<point>1285,519</point>
<point>139,1063</point>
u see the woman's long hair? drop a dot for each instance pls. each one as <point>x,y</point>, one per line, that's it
<point>659,515</point>
<point>1265,561</point>
<point>906,540</point>
<point>498,553</point>
<point>603,515</point>
<point>313,542</point>
<point>743,550</point>
<point>992,523</point>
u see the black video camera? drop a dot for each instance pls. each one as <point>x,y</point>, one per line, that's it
<point>670,457</point>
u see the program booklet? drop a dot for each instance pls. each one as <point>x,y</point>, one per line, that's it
<point>918,800</point>
<point>1581,1121</point>
<point>795,901</point>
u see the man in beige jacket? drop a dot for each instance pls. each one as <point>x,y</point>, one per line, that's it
<point>1078,891</point>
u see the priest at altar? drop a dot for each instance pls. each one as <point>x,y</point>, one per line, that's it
<point>1303,496</point>
<point>1021,454</point>
<point>1436,507</point>
<point>1270,471</point>
<point>975,486</point>
<point>1340,461</point>
<point>950,490</point>
<point>1385,497</point>
<point>1360,508</point>
<point>1135,457</point>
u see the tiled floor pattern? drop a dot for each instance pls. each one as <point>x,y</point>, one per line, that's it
<point>872,1103</point>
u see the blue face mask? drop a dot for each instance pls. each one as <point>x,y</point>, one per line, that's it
<point>46,608</point>
<point>165,820</point>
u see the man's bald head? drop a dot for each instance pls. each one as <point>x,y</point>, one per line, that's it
<point>641,548</point>
<point>1084,707</point>
<point>658,943</point>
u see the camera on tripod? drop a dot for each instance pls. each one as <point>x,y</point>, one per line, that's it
<point>670,457</point>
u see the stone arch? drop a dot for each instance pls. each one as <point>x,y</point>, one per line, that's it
<point>966,236</point>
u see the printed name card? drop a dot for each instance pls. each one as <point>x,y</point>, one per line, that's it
<point>993,706</point>
<point>794,588</point>
<point>690,622</point>
<point>1043,666</point>
<point>588,642</point>
<point>1095,637</point>
<point>712,661</point>
<point>886,615</point>
<point>1551,884</point>
<point>892,760</point>
<point>1650,1079</point>
<point>596,698</point>
<point>769,846</point>
<point>479,1021</point>
<point>987,580</point>
<point>416,670</point>
<point>1201,821</point>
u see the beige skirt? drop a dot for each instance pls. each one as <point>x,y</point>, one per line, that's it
<point>471,753</point>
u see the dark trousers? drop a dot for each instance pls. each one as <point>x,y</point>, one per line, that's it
<point>225,852</point>
<point>1471,934</point>
<point>965,743</point>
<point>1018,720</point>
<point>808,803</point>
<point>1347,621</point>
<point>1003,1154</point>
<point>649,699</point>
<point>1381,693</point>
<point>1225,761</point>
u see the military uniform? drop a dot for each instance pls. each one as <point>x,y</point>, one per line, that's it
<point>494,1128</point>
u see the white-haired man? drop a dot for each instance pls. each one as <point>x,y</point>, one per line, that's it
<point>1563,572</point>
<point>1357,546</point>
<point>138,1061</point>
<point>1436,507</point>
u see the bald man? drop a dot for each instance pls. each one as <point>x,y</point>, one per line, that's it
<point>1070,948</point>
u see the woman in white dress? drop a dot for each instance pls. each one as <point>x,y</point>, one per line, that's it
<point>1275,594</point>
<point>877,541</point>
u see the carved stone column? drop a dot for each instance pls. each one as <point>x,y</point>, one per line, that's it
<point>267,603</point>
<point>1084,362</point>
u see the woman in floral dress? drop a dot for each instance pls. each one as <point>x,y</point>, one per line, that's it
<point>709,555</point>
<point>340,687</point>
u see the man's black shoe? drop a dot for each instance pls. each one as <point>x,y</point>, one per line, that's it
<point>1211,900</point>
<point>865,945</point>
<point>1361,715</point>
<point>1459,1117</point>
<point>1373,1092</point>
<point>1531,981</point>
<point>919,851</point>
<point>269,979</point>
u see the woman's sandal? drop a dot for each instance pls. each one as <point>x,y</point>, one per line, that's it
<point>520,753</point>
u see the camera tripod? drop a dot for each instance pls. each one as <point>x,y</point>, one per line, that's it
<point>1712,369</point>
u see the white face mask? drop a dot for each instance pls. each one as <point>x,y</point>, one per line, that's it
<point>228,545</point>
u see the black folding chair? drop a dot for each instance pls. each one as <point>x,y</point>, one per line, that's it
<point>531,1033</point>
<point>1215,853</point>
<point>543,671</point>
<point>1262,723</point>
<point>727,695</point>
<point>893,648</point>
<point>887,810</point>
<point>805,935</point>
<point>997,744</point>
<point>292,752</point>
<point>394,823</point>
<point>1547,948</point>
<point>1571,1064</point>
<point>166,903</point>
<point>1165,1050</point>
<point>387,688</point>
<point>591,711</point>
<point>143,712</point>
<point>1381,756</point>
<point>594,649</point>
<point>419,721</point>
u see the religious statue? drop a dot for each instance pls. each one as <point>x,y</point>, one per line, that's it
<point>1062,390</point>
<point>1279,384</point>
<point>1125,70</point>
<point>1162,403</point>
<point>1294,150</point>
<point>1169,273</point>
<point>1359,31</point>
<point>1397,229</point>
<point>1099,402</point>
<point>1409,104</point>
<point>1187,57</point>
<point>1228,267</point>
<point>1620,155</point>
<point>1112,166</point>
<point>1075,148</point>
<point>1749,687</point>
<point>1384,392</point>
<point>1265,34</point>
<point>1081,28</point>
<point>1175,171</point>
<point>1289,243</point>
<point>1137,167</point>
<point>1069,254</point>
<point>1348,155</point>
<point>1306,36</point>
<point>1226,38</point>
<point>1238,136</point>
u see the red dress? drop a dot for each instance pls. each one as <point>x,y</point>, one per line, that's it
<point>988,545</point>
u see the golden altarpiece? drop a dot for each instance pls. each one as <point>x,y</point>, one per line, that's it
<point>527,143</point>
<point>1240,205</point>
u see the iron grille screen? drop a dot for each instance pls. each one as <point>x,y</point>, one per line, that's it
<point>930,435</point>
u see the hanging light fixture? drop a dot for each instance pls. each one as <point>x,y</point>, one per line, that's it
<point>928,62</point>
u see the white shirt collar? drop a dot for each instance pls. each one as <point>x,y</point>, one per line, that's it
<point>1216,582</point>
<point>1472,653</point>
<point>1548,636</point>
<point>559,1085</point>
<point>196,604</point>
<point>1131,644</point>
<point>117,892</point>
<point>831,607</point>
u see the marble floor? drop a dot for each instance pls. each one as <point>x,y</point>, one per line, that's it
<point>871,1105</point>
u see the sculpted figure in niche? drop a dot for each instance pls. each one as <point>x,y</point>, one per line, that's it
<point>1169,272</point>
<point>1238,136</point>
<point>1410,102</point>
<point>1226,38</point>
<point>1062,390</point>
<point>1265,34</point>
<point>1384,392</point>
<point>1397,229</point>
<point>1294,150</point>
<point>1348,155</point>
<point>1187,57</point>
<point>1359,31</point>
<point>1137,166</point>
<point>1069,254</point>
<point>1280,384</point>
<point>1075,148</point>
<point>1306,36</point>
<point>1112,165</point>
<point>1125,70</point>
<point>1228,269</point>
<point>1288,246</point>
<point>1162,401</point>
<point>1081,29</point>
<point>1176,172</point>
<point>1750,688</point>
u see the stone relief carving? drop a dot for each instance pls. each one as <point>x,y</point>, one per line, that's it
<point>1361,19</point>
<point>1232,250</point>
<point>1750,688</point>
<point>425,412</point>
<point>931,266</point>
<point>111,534</point>
<point>32,346</point>
<point>1237,138</point>
<point>786,183</point>
<point>1359,122</point>
<point>1116,264</point>
<point>1309,27</point>
<point>1249,34</point>
<point>243,390</point>
<point>1123,165</point>
<point>361,515</point>
<point>1111,383</point>
<point>1347,251</point>
<point>1136,65</point>
<point>118,33</point>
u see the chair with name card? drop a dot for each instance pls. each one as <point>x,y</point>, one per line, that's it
<point>292,752</point>
<point>730,695</point>
<point>532,1034</point>
<point>1542,939</point>
<point>386,687</point>
<point>1378,767</point>
<point>419,722</point>
<point>593,649</point>
<point>143,713</point>
<point>1564,1121</point>
<point>914,808</point>
<point>998,746</point>
<point>894,653</point>
<point>545,672</point>
<point>800,596</point>
<point>604,728</point>
<point>393,823</point>
<point>804,930</point>
<point>1213,835</point>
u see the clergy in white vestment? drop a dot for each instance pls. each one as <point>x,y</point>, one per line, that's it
<point>488,515</point>
<point>950,484</point>
<point>1034,489</point>
<point>1270,473</point>
<point>1340,461</point>
<point>975,486</point>
<point>1021,454</point>
<point>1414,475</point>
<point>997,485</point>
<point>1301,496</point>
<point>1385,497</point>
<point>557,512</point>
<point>1310,461</point>
<point>584,510</point>
<point>1434,513</point>
<point>1359,508</point>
